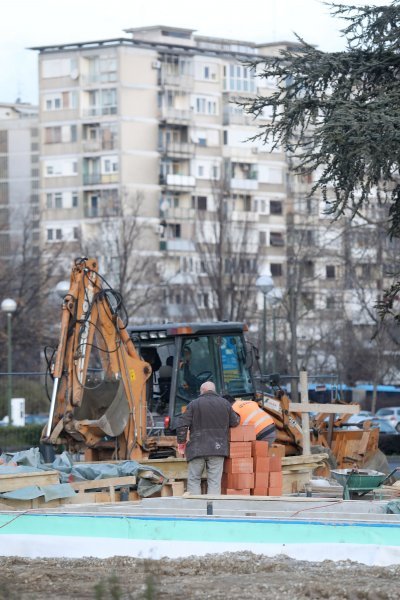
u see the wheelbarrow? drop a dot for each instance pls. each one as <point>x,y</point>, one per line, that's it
<point>358,482</point>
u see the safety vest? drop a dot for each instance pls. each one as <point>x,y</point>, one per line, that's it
<point>251,413</point>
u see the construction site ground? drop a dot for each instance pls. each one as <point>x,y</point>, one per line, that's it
<point>244,576</point>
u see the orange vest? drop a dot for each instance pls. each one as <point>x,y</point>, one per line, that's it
<point>251,413</point>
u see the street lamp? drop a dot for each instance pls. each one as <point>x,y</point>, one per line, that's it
<point>9,306</point>
<point>265,285</point>
<point>274,298</point>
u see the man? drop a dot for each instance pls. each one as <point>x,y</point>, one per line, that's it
<point>208,419</point>
<point>251,414</point>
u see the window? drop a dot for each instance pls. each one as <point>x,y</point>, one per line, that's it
<point>205,105</point>
<point>308,301</point>
<point>200,171</point>
<point>330,302</point>
<point>52,135</point>
<point>58,200</point>
<point>330,272</point>
<point>276,270</point>
<point>239,78</point>
<point>225,137</point>
<point>199,202</point>
<point>308,267</point>
<point>75,233</point>
<point>173,230</point>
<point>275,207</point>
<point>54,235</point>
<point>276,238</point>
<point>74,199</point>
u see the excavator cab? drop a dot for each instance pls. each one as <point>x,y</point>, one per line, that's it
<point>185,355</point>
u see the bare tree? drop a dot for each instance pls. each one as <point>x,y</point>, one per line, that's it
<point>124,250</point>
<point>226,242</point>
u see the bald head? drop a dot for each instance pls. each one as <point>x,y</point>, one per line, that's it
<point>207,386</point>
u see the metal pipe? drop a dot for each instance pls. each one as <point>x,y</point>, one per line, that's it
<point>9,366</point>
<point>264,362</point>
<point>52,406</point>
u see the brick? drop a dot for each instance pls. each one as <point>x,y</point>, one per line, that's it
<point>275,479</point>
<point>259,491</point>
<point>275,491</point>
<point>240,450</point>
<point>249,433</point>
<point>275,463</point>
<point>233,492</point>
<point>276,450</point>
<point>237,481</point>
<point>261,480</point>
<point>259,448</point>
<point>238,465</point>
<point>261,464</point>
<point>242,433</point>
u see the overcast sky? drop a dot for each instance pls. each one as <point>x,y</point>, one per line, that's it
<point>26,23</point>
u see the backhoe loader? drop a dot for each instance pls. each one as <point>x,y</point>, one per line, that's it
<point>118,389</point>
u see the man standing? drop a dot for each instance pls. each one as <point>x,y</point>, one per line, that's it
<point>208,419</point>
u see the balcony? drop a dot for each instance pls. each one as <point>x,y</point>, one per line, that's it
<point>175,115</point>
<point>180,81</point>
<point>244,184</point>
<point>100,178</point>
<point>91,145</point>
<point>178,150</point>
<point>96,111</point>
<point>180,182</point>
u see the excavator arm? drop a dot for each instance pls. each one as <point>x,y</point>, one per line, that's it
<point>99,380</point>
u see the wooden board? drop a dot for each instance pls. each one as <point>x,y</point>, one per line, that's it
<point>15,481</point>
<point>347,409</point>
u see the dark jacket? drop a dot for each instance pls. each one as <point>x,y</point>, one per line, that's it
<point>208,418</point>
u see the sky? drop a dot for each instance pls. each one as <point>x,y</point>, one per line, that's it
<point>27,23</point>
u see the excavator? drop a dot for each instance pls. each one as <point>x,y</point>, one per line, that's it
<point>118,389</point>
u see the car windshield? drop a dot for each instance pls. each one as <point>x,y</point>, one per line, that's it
<point>386,427</point>
<point>385,412</point>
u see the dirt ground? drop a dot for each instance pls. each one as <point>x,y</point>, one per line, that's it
<point>243,576</point>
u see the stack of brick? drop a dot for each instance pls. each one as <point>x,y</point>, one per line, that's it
<point>267,470</point>
<point>238,476</point>
<point>259,451</point>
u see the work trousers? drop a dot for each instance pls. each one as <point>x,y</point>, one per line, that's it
<point>214,465</point>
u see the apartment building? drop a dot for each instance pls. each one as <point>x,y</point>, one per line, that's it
<point>146,130</point>
<point>147,125</point>
<point>19,180</point>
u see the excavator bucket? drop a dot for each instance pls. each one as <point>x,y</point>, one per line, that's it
<point>105,408</point>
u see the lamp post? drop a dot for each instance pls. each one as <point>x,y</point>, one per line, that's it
<point>9,306</point>
<point>274,298</point>
<point>265,285</point>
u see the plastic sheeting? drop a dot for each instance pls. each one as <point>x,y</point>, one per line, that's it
<point>150,480</point>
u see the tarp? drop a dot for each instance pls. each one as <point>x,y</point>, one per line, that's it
<point>150,480</point>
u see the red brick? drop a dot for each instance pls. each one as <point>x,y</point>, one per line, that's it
<point>240,450</point>
<point>275,463</point>
<point>276,450</point>
<point>261,464</point>
<point>275,479</point>
<point>259,491</point>
<point>261,480</point>
<point>237,481</point>
<point>238,465</point>
<point>249,433</point>
<point>259,448</point>
<point>275,491</point>
<point>242,433</point>
<point>232,492</point>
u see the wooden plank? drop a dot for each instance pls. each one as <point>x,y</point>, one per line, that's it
<point>347,409</point>
<point>15,481</point>
<point>296,460</point>
<point>305,416</point>
<point>103,483</point>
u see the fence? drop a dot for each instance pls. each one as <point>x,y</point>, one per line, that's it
<point>31,386</point>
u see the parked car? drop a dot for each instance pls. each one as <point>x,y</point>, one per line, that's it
<point>38,419</point>
<point>391,414</point>
<point>389,437</point>
<point>363,415</point>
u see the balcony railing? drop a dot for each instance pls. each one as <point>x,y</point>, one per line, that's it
<point>100,178</point>
<point>95,111</point>
<point>244,184</point>
<point>169,113</point>
<point>177,149</point>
